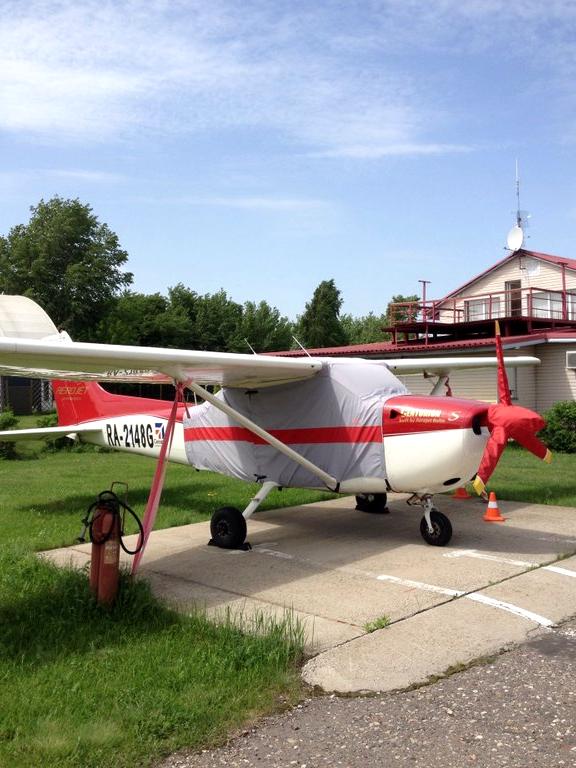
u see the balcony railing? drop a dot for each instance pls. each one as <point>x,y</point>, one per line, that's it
<point>531,303</point>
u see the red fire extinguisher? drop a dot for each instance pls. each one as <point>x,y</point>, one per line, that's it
<point>104,521</point>
<point>105,534</point>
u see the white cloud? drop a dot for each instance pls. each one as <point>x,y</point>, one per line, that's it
<point>72,174</point>
<point>259,203</point>
<point>371,152</point>
<point>332,79</point>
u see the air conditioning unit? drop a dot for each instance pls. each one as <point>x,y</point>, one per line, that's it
<point>571,360</point>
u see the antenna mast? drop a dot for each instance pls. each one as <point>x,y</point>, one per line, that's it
<point>518,212</point>
<point>515,238</point>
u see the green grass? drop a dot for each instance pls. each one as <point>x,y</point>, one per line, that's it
<point>42,500</point>
<point>521,477</point>
<point>380,623</point>
<point>84,686</point>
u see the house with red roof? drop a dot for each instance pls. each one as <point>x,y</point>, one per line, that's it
<point>533,297</point>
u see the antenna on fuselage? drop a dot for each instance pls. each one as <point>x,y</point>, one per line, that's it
<point>302,347</point>
<point>251,347</point>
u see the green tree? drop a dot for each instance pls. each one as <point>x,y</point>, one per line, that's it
<point>404,314</point>
<point>320,325</point>
<point>264,329</point>
<point>146,320</point>
<point>365,329</point>
<point>67,261</point>
<point>217,322</point>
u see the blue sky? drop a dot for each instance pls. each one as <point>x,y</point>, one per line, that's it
<point>264,146</point>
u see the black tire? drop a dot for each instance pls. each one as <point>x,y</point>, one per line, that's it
<point>372,502</point>
<point>442,532</point>
<point>228,528</point>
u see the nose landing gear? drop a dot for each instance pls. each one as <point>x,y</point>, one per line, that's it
<point>435,528</point>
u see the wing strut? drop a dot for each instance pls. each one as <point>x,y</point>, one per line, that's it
<point>330,482</point>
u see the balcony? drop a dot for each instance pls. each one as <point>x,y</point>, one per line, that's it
<point>520,311</point>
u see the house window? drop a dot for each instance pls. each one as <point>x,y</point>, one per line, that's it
<point>548,304</point>
<point>486,308</point>
<point>571,305</point>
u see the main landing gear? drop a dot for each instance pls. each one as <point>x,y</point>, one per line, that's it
<point>228,524</point>
<point>372,502</point>
<point>435,527</point>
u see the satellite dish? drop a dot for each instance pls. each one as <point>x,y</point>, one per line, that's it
<point>515,238</point>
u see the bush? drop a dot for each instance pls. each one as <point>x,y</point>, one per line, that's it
<point>7,421</point>
<point>64,443</point>
<point>56,443</point>
<point>560,431</point>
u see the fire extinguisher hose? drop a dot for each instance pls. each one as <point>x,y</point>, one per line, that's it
<point>109,503</point>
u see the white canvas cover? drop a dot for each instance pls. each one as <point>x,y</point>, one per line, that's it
<point>317,411</point>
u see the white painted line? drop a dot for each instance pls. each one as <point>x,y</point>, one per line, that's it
<point>421,585</point>
<point>273,552</point>
<point>477,597</point>
<point>555,539</point>
<point>561,571</point>
<point>515,609</point>
<point>494,558</point>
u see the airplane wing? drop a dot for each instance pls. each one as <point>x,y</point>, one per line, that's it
<point>441,366</point>
<point>46,433</point>
<point>60,358</point>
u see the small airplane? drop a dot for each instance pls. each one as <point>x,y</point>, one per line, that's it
<point>347,425</point>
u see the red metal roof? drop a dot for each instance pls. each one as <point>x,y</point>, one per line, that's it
<point>387,348</point>
<point>570,263</point>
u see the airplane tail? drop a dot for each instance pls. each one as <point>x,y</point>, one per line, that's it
<point>78,402</point>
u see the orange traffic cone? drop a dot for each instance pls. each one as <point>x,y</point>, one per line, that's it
<point>461,493</point>
<point>492,512</point>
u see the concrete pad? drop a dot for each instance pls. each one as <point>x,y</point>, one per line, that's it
<point>337,570</point>
<point>321,633</point>
<point>548,593</point>
<point>411,652</point>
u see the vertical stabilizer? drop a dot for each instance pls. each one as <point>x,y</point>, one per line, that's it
<point>79,401</point>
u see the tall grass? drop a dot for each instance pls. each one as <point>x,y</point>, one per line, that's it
<point>83,686</point>
<point>86,686</point>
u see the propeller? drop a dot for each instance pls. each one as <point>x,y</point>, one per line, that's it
<point>505,422</point>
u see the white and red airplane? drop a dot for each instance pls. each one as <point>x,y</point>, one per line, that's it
<point>348,425</point>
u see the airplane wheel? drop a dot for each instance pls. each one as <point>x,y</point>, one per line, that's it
<point>228,528</point>
<point>442,532</point>
<point>372,502</point>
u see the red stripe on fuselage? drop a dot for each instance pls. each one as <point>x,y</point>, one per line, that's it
<point>309,435</point>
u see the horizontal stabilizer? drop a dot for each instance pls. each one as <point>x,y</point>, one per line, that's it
<point>46,433</point>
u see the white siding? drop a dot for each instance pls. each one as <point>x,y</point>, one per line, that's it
<point>532,273</point>
<point>481,384</point>
<point>554,381</point>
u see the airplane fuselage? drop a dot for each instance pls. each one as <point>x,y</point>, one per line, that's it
<point>425,444</point>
